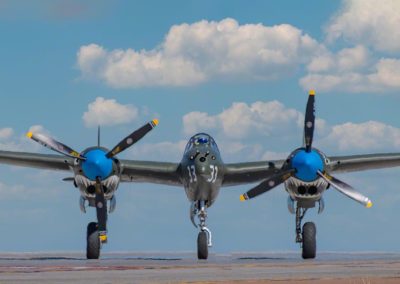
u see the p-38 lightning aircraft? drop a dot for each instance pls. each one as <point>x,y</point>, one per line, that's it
<point>306,174</point>
<point>98,172</point>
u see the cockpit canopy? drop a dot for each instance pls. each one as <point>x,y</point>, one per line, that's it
<point>201,139</point>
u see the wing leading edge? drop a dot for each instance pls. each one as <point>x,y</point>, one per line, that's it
<point>34,160</point>
<point>242,173</point>
<point>151,172</point>
<point>344,164</point>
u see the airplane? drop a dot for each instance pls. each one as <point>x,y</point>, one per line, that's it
<point>307,174</point>
<point>201,172</point>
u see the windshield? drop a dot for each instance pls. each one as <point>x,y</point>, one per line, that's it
<point>199,139</point>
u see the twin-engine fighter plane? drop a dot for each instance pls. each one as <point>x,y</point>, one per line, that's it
<point>306,174</point>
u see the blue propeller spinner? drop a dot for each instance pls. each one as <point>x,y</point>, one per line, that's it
<point>307,164</point>
<point>97,165</point>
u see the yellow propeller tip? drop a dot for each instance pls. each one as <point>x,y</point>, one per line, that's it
<point>242,197</point>
<point>155,121</point>
<point>312,93</point>
<point>29,134</point>
<point>369,204</point>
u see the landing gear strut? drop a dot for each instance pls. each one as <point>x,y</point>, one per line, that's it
<point>204,239</point>
<point>97,232</point>
<point>307,235</point>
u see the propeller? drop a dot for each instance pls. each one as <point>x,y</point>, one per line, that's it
<point>267,185</point>
<point>346,189</point>
<point>301,165</point>
<point>54,145</point>
<point>306,164</point>
<point>309,121</point>
<point>96,163</point>
<point>132,138</point>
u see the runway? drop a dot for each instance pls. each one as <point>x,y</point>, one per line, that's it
<point>184,267</point>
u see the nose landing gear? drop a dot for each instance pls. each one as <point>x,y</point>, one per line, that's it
<point>204,238</point>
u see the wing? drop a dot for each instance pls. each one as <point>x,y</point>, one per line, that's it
<point>34,160</point>
<point>241,173</point>
<point>152,172</point>
<point>343,164</point>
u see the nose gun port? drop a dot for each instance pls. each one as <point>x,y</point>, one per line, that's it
<point>195,156</point>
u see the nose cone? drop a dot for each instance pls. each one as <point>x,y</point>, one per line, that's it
<point>203,169</point>
<point>307,165</point>
<point>96,165</point>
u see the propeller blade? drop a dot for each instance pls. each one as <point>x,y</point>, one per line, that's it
<point>54,145</point>
<point>309,121</point>
<point>346,189</point>
<point>267,185</point>
<point>132,138</point>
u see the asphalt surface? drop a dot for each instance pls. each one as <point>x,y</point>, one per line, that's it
<point>184,267</point>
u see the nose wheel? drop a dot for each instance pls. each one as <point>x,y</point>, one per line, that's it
<point>306,236</point>
<point>204,238</point>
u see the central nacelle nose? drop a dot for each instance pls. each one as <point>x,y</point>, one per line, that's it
<point>97,164</point>
<point>307,164</point>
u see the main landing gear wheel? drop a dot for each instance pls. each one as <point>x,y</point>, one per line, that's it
<point>306,235</point>
<point>97,232</point>
<point>92,241</point>
<point>309,240</point>
<point>202,245</point>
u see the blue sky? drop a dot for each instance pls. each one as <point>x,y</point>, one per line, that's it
<point>238,70</point>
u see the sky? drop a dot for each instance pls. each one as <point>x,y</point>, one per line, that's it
<point>238,70</point>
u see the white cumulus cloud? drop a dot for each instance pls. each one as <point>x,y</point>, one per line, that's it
<point>243,120</point>
<point>382,76</point>
<point>108,112</point>
<point>370,135</point>
<point>371,22</point>
<point>198,52</point>
<point>370,64</point>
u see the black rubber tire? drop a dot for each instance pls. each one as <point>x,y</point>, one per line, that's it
<point>92,241</point>
<point>202,246</point>
<point>309,240</point>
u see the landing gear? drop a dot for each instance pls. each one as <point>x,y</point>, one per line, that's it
<point>309,241</point>
<point>97,232</point>
<point>204,239</point>
<point>202,247</point>
<point>92,241</point>
<point>307,235</point>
